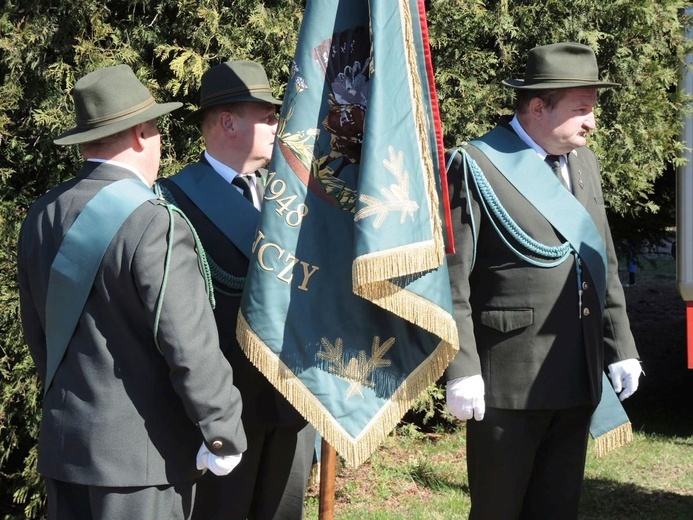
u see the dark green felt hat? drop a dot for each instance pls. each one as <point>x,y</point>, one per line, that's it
<point>108,101</point>
<point>560,65</point>
<point>232,82</point>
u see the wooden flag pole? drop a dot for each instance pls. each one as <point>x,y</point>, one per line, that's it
<point>328,463</point>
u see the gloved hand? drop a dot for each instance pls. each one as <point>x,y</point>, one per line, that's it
<point>218,465</point>
<point>624,377</point>
<point>465,397</point>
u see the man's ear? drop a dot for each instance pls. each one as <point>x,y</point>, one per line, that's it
<point>139,135</point>
<point>536,107</point>
<point>226,120</point>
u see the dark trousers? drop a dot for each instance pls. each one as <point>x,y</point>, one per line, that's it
<point>527,464</point>
<point>68,501</point>
<point>268,484</point>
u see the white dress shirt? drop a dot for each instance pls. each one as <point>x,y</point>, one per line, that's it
<point>228,174</point>
<point>515,124</point>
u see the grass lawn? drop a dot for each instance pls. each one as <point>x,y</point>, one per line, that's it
<point>423,476</point>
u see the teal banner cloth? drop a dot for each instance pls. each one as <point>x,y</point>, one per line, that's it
<point>347,307</point>
<point>78,260</point>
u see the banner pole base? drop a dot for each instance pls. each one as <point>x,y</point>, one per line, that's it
<point>328,463</point>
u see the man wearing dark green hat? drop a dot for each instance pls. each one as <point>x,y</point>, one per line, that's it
<point>221,195</point>
<point>538,301</point>
<point>138,399</point>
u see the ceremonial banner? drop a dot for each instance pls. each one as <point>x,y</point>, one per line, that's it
<point>347,307</point>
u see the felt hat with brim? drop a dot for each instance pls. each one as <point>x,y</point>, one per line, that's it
<point>232,82</point>
<point>560,65</point>
<point>108,101</point>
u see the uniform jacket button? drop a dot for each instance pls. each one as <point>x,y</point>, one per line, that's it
<point>217,444</point>
<point>585,286</point>
<point>585,312</point>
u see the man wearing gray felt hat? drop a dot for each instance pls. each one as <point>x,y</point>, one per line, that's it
<point>108,101</point>
<point>222,195</point>
<point>115,314</point>
<point>560,66</point>
<point>538,302</point>
<point>233,82</point>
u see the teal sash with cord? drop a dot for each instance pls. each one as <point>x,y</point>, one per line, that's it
<point>78,260</point>
<point>609,426</point>
<point>514,159</point>
<point>221,202</point>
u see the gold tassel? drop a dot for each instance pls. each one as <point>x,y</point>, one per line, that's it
<point>619,436</point>
<point>353,450</point>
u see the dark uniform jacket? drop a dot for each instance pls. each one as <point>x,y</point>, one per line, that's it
<point>119,412</point>
<point>521,326</point>
<point>262,404</point>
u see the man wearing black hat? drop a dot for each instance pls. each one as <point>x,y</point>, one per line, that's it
<point>138,399</point>
<point>221,195</point>
<point>539,306</point>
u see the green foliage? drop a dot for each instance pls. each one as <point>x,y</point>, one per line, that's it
<point>428,414</point>
<point>640,45</point>
<point>45,45</point>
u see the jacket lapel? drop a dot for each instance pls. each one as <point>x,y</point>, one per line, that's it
<point>578,177</point>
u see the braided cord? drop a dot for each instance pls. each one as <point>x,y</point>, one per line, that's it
<point>475,234</point>
<point>551,255</point>
<point>209,289</point>
<point>233,283</point>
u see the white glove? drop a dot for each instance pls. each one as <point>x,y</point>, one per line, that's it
<point>465,397</point>
<point>220,466</point>
<point>624,377</point>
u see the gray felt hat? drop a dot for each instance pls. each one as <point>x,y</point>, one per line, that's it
<point>560,65</point>
<point>232,82</point>
<point>108,101</point>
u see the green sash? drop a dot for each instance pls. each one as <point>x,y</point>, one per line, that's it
<point>228,210</point>
<point>533,179</point>
<point>524,169</point>
<point>78,260</point>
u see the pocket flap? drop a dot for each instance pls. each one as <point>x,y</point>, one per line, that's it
<point>506,320</point>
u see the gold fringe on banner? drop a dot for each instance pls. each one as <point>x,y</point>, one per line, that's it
<point>396,262</point>
<point>619,436</point>
<point>413,308</point>
<point>354,450</point>
<point>371,272</point>
<point>423,256</point>
<point>423,126</point>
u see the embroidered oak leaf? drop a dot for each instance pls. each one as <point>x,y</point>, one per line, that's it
<point>396,196</point>
<point>359,368</point>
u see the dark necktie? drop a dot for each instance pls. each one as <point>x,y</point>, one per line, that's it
<point>555,162</point>
<point>242,183</point>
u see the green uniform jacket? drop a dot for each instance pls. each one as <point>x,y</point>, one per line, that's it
<point>521,326</point>
<point>262,404</point>
<point>119,412</point>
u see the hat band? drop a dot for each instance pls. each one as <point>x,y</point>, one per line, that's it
<point>232,92</point>
<point>553,77</point>
<point>97,122</point>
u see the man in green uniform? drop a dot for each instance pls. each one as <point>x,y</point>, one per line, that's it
<point>540,309</point>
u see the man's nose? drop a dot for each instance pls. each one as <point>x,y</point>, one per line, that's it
<point>590,121</point>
